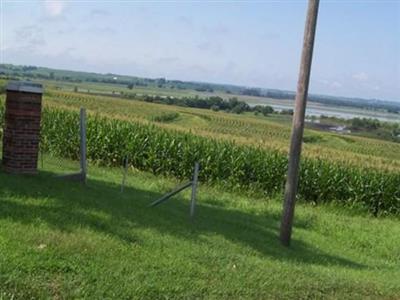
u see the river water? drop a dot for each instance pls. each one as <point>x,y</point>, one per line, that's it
<point>315,109</point>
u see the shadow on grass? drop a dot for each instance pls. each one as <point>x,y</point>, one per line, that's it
<point>101,207</point>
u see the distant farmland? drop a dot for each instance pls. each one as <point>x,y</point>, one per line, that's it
<point>330,155</point>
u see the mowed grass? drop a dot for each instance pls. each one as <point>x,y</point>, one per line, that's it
<point>60,239</point>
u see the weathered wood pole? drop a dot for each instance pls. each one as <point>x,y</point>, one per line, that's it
<point>298,123</point>
<point>83,144</point>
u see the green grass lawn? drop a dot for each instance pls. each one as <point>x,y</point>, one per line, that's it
<point>60,239</point>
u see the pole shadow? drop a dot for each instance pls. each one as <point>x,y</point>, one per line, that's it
<point>101,207</point>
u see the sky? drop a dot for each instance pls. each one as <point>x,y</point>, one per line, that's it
<point>250,43</point>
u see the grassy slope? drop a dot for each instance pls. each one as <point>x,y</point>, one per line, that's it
<point>60,239</point>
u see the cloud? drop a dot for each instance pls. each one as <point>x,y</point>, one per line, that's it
<point>54,8</point>
<point>218,29</point>
<point>167,60</point>
<point>27,32</point>
<point>62,60</point>
<point>66,30</point>
<point>99,12</point>
<point>323,81</point>
<point>328,83</point>
<point>184,21</point>
<point>214,48</point>
<point>270,36</point>
<point>336,85</point>
<point>362,76</point>
<point>30,37</point>
<point>102,30</point>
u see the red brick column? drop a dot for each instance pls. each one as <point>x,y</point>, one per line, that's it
<point>22,127</point>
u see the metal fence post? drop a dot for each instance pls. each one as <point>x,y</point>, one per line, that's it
<point>194,189</point>
<point>125,171</point>
<point>83,144</point>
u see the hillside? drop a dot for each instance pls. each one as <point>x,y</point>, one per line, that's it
<point>272,132</point>
<point>239,151</point>
<point>60,239</point>
<point>199,150</point>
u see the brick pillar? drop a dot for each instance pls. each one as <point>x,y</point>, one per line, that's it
<point>22,127</point>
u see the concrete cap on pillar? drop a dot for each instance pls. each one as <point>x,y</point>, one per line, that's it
<point>25,87</point>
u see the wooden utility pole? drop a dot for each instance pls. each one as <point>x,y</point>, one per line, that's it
<point>298,123</point>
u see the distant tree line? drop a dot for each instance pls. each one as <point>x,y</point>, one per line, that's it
<point>364,123</point>
<point>375,128</point>
<point>384,129</point>
<point>215,103</point>
<point>13,72</point>
<point>375,124</point>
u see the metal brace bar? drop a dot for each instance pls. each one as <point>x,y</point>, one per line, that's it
<point>172,193</point>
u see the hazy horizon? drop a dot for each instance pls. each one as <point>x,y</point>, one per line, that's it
<point>217,83</point>
<point>254,44</point>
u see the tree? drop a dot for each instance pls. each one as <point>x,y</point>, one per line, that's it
<point>215,107</point>
<point>396,131</point>
<point>364,123</point>
<point>240,107</point>
<point>287,112</point>
<point>266,110</point>
<point>233,102</point>
<point>252,92</point>
<point>130,86</point>
<point>161,81</point>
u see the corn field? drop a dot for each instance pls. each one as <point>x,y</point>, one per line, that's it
<point>173,153</point>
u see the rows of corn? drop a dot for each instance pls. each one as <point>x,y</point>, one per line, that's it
<point>173,153</point>
<point>243,129</point>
